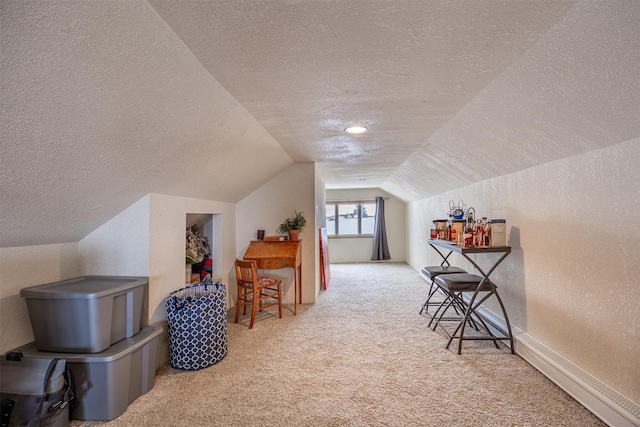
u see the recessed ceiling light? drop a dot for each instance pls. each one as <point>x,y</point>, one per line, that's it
<point>355,130</point>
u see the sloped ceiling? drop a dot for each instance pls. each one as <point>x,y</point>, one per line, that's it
<point>306,70</point>
<point>104,102</point>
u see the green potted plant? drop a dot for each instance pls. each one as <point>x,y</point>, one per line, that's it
<point>293,225</point>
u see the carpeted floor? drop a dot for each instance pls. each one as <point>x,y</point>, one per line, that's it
<point>360,356</point>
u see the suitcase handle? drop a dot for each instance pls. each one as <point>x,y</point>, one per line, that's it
<point>36,421</point>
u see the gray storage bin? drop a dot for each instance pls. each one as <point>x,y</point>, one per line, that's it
<point>106,383</point>
<point>85,314</point>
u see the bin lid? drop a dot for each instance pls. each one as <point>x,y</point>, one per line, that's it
<point>86,287</point>
<point>117,351</point>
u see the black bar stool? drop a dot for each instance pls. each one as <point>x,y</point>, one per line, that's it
<point>455,285</point>
<point>429,273</point>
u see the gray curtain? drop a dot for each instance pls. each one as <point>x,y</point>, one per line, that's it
<point>380,248</point>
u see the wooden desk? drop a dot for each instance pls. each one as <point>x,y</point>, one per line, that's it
<point>274,255</point>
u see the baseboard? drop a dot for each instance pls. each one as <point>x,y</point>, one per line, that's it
<point>604,402</point>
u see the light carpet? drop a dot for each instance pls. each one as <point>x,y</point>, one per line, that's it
<point>360,356</point>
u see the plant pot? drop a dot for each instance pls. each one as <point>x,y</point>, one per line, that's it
<point>293,234</point>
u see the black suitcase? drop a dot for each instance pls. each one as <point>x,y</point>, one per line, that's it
<point>34,392</point>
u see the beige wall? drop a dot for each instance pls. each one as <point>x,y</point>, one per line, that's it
<point>358,249</point>
<point>571,281</point>
<point>25,266</point>
<point>121,246</point>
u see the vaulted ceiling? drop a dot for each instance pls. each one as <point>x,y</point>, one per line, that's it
<point>104,102</point>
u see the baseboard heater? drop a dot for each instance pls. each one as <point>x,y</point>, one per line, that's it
<point>603,401</point>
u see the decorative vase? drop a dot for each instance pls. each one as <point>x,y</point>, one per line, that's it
<point>187,274</point>
<point>293,234</point>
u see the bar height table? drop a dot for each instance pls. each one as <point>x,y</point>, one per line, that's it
<point>445,249</point>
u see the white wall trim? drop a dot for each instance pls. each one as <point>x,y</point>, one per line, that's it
<point>604,402</point>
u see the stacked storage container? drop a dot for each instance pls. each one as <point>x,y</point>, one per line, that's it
<point>95,324</point>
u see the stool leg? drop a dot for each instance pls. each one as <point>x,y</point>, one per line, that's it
<point>461,328</point>
<point>463,323</point>
<point>444,306</point>
<point>425,306</point>
<point>471,309</point>
<point>449,302</point>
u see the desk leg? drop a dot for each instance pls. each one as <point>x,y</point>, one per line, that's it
<point>297,282</point>
<point>295,290</point>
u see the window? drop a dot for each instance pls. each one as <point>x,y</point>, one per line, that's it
<point>351,218</point>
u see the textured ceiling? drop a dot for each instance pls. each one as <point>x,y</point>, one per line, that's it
<point>104,102</point>
<point>306,70</point>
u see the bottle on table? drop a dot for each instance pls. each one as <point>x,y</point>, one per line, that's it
<point>467,234</point>
<point>433,234</point>
<point>480,232</point>
<point>469,229</point>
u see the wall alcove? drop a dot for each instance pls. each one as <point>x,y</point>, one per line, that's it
<point>208,225</point>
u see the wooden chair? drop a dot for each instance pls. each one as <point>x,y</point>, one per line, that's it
<point>254,289</point>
